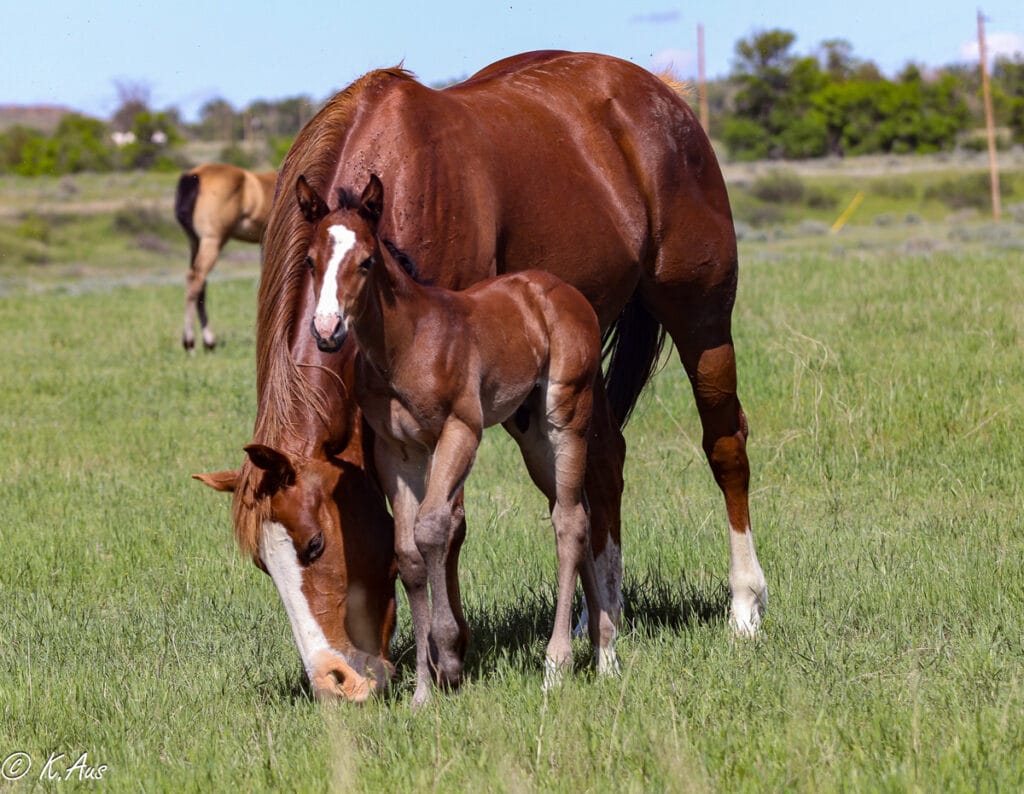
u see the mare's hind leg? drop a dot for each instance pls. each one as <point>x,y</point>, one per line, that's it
<point>701,332</point>
<point>606,454</point>
<point>195,292</point>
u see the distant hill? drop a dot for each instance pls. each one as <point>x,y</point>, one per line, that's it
<point>41,117</point>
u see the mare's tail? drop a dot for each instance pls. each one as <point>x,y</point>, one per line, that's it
<point>631,348</point>
<point>185,203</point>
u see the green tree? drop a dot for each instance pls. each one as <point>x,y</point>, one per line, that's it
<point>773,101</point>
<point>1008,94</point>
<point>218,121</point>
<point>13,143</point>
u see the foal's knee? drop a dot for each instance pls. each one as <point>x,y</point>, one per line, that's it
<point>571,524</point>
<point>411,566</point>
<point>433,530</point>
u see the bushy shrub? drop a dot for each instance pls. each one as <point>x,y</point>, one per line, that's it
<point>820,199</point>
<point>899,189</point>
<point>779,187</point>
<point>34,227</point>
<point>970,190</point>
<point>138,220</point>
<point>234,154</point>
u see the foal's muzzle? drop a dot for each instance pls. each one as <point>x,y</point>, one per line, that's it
<point>328,341</point>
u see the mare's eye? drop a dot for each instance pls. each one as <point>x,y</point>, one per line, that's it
<point>314,548</point>
<point>309,263</point>
<point>368,263</point>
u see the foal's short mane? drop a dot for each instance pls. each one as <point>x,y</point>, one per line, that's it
<point>284,391</point>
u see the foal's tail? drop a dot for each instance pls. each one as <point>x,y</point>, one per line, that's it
<point>631,348</point>
<point>185,202</point>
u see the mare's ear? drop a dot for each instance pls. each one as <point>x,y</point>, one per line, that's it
<point>219,480</point>
<point>371,203</point>
<point>277,466</point>
<point>312,207</point>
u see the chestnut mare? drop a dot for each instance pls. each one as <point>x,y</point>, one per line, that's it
<point>435,368</point>
<point>582,165</point>
<point>215,203</point>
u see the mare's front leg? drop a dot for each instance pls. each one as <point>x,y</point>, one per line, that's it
<point>439,524</point>
<point>401,476</point>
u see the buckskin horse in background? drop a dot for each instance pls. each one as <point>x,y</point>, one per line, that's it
<point>583,165</point>
<point>215,203</point>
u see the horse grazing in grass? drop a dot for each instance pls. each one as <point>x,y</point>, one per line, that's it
<point>582,165</point>
<point>215,203</point>
<point>329,549</point>
<point>436,367</point>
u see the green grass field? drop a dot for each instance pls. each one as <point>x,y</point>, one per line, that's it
<point>884,384</point>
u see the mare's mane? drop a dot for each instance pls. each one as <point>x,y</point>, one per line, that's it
<point>284,391</point>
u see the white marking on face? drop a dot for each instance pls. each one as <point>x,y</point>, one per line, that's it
<point>278,555</point>
<point>343,238</point>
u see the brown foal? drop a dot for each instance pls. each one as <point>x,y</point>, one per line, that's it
<point>437,367</point>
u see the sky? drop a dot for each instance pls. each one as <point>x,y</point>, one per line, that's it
<point>184,53</point>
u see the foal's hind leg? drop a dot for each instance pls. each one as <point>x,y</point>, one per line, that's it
<point>555,457</point>
<point>701,332</point>
<point>203,259</point>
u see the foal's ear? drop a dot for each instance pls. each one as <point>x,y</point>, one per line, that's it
<point>279,472</point>
<point>219,480</point>
<point>312,207</point>
<point>371,203</point>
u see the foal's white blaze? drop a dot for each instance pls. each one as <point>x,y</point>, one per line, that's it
<point>278,555</point>
<point>747,583</point>
<point>343,238</point>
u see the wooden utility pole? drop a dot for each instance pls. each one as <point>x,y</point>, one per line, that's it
<point>993,165</point>
<point>702,84</point>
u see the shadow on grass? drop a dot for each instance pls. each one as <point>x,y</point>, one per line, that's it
<point>518,630</point>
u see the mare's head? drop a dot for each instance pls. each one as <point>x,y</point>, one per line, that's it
<point>338,588</point>
<point>343,250</point>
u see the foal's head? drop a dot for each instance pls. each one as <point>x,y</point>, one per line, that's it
<point>344,249</point>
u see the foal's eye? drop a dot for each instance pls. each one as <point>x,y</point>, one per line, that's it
<point>314,548</point>
<point>309,263</point>
<point>368,263</point>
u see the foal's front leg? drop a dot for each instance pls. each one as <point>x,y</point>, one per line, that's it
<point>437,525</point>
<point>402,480</point>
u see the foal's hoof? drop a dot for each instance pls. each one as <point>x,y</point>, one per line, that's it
<point>188,344</point>
<point>554,674</point>
<point>446,665</point>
